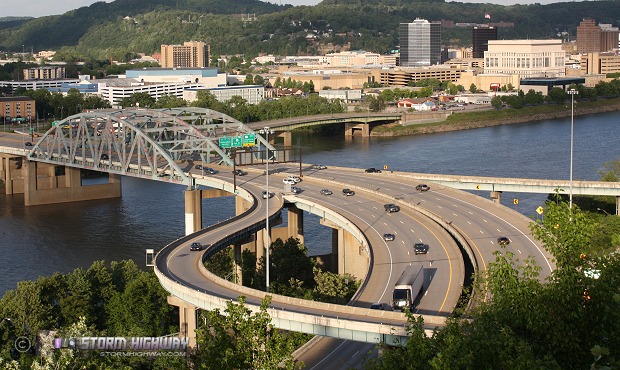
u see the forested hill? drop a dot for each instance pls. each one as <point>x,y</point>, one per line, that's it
<point>52,32</point>
<point>125,27</point>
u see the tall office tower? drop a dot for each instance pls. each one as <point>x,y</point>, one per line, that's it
<point>588,37</point>
<point>609,37</point>
<point>420,43</point>
<point>191,54</point>
<point>480,38</point>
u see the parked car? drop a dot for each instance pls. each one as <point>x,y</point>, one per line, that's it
<point>195,246</point>
<point>239,173</point>
<point>372,170</point>
<point>319,167</point>
<point>420,248</point>
<point>391,207</point>
<point>326,192</point>
<point>502,240</point>
<point>348,192</point>
<point>422,187</point>
<point>389,237</point>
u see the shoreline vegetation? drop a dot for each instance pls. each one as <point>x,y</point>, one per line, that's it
<point>496,117</point>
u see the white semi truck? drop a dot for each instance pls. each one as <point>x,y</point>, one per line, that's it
<point>408,286</point>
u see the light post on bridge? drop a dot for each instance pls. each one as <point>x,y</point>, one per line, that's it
<point>572,93</point>
<point>266,131</point>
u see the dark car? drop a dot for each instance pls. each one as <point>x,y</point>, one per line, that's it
<point>372,170</point>
<point>239,173</point>
<point>389,237</point>
<point>422,187</point>
<point>391,207</point>
<point>211,171</point>
<point>28,143</point>
<point>104,156</point>
<point>380,306</point>
<point>348,192</point>
<point>420,248</point>
<point>502,240</point>
<point>295,190</point>
<point>267,195</point>
<point>195,246</point>
<point>198,167</point>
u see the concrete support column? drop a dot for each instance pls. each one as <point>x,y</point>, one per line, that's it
<point>288,138</point>
<point>237,264</point>
<point>187,319</point>
<point>350,128</point>
<point>193,211</point>
<point>341,252</point>
<point>496,196</point>
<point>617,206</point>
<point>242,205</point>
<point>296,223</point>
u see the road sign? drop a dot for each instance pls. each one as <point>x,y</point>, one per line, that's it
<point>540,210</point>
<point>249,140</point>
<point>237,141</point>
<point>225,142</point>
<point>515,201</point>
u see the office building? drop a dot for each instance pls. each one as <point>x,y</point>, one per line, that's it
<point>192,54</point>
<point>593,39</point>
<point>420,43</point>
<point>17,107</point>
<point>526,58</point>
<point>44,73</point>
<point>480,39</point>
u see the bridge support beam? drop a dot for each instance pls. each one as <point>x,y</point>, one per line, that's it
<point>193,211</point>
<point>47,188</point>
<point>11,173</point>
<point>296,223</point>
<point>237,264</point>
<point>348,256</point>
<point>286,135</point>
<point>496,196</point>
<point>187,319</point>
<point>617,206</point>
<point>351,128</point>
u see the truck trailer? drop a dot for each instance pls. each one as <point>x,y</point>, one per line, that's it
<point>408,286</point>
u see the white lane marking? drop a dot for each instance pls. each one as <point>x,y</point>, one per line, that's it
<point>481,232</point>
<point>401,221</point>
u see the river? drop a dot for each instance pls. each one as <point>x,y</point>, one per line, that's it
<point>42,240</point>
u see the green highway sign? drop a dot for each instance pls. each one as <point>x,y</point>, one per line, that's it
<point>237,141</point>
<point>225,142</point>
<point>249,139</point>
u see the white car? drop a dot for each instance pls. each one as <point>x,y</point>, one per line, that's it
<point>289,181</point>
<point>294,178</point>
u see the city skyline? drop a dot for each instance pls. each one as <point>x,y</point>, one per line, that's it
<point>41,8</point>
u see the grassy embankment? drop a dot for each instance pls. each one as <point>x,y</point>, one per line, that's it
<point>496,117</point>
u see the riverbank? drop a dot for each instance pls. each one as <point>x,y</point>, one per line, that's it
<point>496,117</point>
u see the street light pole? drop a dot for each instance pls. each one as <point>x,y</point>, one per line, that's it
<point>266,131</point>
<point>572,93</point>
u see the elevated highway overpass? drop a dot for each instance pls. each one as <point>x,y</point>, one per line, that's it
<point>447,215</point>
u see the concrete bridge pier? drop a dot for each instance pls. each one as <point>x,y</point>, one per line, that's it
<point>351,128</point>
<point>296,223</point>
<point>187,319</point>
<point>347,256</point>
<point>193,211</point>
<point>238,271</point>
<point>496,196</point>
<point>44,187</point>
<point>617,206</point>
<point>286,135</point>
<point>11,174</point>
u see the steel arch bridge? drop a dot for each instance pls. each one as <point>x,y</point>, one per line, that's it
<point>145,143</point>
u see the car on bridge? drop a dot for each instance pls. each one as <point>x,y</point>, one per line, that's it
<point>28,143</point>
<point>104,156</point>
<point>502,240</point>
<point>289,181</point>
<point>326,192</point>
<point>296,179</point>
<point>422,187</point>
<point>319,167</point>
<point>347,192</point>
<point>295,190</point>
<point>381,306</point>
<point>195,246</point>
<point>268,194</point>
<point>391,207</point>
<point>372,170</point>
<point>239,173</point>
<point>210,170</point>
<point>420,248</point>
<point>389,237</point>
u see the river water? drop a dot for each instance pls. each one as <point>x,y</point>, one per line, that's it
<point>41,240</point>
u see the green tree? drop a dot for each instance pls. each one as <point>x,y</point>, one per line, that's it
<point>241,339</point>
<point>473,88</point>
<point>169,101</point>
<point>557,95</point>
<point>496,102</point>
<point>334,288</point>
<point>141,99</point>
